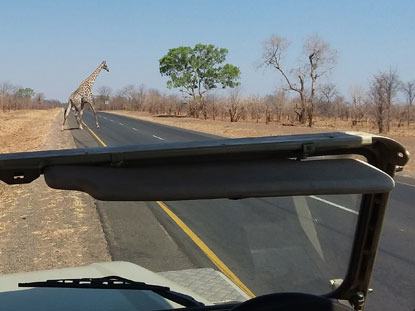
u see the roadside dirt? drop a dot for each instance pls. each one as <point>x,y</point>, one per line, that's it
<point>25,130</point>
<point>42,228</point>
<point>252,129</point>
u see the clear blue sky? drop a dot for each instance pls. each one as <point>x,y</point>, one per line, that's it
<point>51,46</point>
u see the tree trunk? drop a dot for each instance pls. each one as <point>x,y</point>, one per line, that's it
<point>302,113</point>
<point>408,115</point>
<point>310,115</point>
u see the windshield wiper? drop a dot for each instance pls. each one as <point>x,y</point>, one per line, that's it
<point>117,282</point>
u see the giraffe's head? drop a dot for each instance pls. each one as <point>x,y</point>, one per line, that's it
<point>104,66</point>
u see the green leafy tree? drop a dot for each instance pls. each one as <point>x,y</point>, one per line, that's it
<point>25,93</point>
<point>198,70</point>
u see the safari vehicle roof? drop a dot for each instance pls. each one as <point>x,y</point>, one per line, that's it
<point>230,159</point>
<point>235,168</point>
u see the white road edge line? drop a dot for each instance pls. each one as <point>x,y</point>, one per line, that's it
<point>404,183</point>
<point>334,204</point>
<point>158,137</point>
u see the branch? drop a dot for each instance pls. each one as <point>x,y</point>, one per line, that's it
<point>323,72</point>
<point>187,92</point>
<point>203,92</point>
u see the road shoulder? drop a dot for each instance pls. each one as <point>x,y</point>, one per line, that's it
<point>42,228</point>
<point>135,235</point>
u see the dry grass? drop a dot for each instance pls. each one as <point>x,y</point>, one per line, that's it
<point>252,129</point>
<point>42,228</point>
<point>25,130</point>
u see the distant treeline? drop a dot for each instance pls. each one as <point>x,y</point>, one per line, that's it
<point>17,98</point>
<point>365,107</point>
<point>376,107</point>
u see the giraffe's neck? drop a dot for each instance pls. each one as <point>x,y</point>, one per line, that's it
<point>91,79</point>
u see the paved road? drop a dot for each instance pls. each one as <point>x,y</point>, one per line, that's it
<point>302,241</point>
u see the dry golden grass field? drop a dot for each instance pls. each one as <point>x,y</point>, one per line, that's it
<point>25,130</point>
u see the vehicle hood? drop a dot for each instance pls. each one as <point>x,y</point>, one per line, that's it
<point>14,298</point>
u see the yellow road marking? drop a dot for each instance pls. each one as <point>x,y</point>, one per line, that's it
<point>208,252</point>
<point>96,136</point>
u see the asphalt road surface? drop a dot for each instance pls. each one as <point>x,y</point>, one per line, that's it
<point>270,244</point>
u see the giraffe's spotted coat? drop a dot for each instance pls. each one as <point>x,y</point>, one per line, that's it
<point>83,96</point>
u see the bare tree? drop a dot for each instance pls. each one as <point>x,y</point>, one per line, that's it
<point>128,93</point>
<point>320,60</point>
<point>181,106</point>
<point>327,93</point>
<point>280,102</point>
<point>408,89</point>
<point>104,92</point>
<point>102,100</point>
<point>255,108</point>
<point>135,96</point>
<point>273,106</point>
<point>342,107</point>
<point>379,99</point>
<point>140,96</point>
<point>358,100</point>
<point>212,105</point>
<point>154,102</point>
<point>7,88</point>
<point>39,98</point>
<point>392,86</point>
<point>118,102</point>
<point>234,105</point>
<point>273,50</point>
<point>382,94</point>
<point>6,91</point>
<point>169,104</point>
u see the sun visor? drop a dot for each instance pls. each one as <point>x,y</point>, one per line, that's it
<point>233,179</point>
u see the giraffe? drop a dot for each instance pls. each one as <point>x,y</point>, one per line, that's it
<point>82,96</point>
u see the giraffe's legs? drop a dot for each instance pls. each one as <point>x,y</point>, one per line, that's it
<point>66,114</point>
<point>95,114</point>
<point>79,114</point>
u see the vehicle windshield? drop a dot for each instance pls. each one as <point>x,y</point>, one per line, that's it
<point>82,75</point>
<point>273,244</point>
